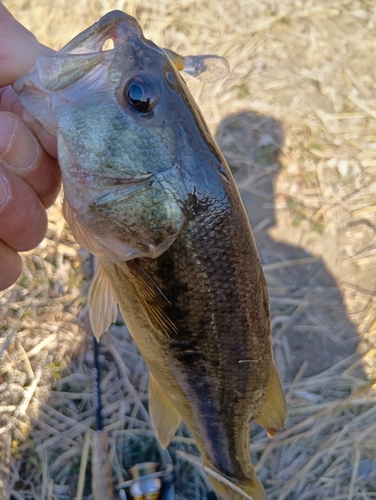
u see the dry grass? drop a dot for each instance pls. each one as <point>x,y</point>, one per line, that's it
<point>302,88</point>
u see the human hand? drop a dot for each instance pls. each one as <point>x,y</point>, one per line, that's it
<point>29,172</point>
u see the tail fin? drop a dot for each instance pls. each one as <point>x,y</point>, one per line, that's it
<point>227,490</point>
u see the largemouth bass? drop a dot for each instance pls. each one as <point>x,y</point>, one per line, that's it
<point>148,191</point>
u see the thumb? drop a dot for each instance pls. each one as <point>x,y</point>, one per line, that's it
<point>18,48</point>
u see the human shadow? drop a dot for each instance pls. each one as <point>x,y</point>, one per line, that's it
<point>311,330</point>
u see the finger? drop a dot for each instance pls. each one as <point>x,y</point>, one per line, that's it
<point>23,155</point>
<point>22,215</point>
<point>9,101</point>
<point>18,48</point>
<point>18,52</point>
<point>11,266</point>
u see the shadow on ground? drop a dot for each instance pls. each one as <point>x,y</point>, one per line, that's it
<point>310,326</point>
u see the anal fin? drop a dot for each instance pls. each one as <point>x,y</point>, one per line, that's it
<point>273,414</point>
<point>164,416</point>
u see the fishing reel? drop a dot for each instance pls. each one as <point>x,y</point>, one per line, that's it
<point>150,481</point>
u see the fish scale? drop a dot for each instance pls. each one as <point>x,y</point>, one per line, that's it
<point>203,357</point>
<point>148,191</point>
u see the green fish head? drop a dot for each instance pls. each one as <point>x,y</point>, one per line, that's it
<point>129,135</point>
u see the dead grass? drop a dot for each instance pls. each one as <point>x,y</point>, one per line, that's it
<point>302,88</point>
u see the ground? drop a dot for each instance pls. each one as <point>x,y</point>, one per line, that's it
<point>296,122</point>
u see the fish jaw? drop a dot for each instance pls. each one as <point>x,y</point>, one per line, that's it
<point>56,72</point>
<point>115,25</point>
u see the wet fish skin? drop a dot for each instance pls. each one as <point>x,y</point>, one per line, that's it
<point>153,197</point>
<point>218,367</point>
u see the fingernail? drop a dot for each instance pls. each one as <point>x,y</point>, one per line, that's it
<point>4,191</point>
<point>17,146</point>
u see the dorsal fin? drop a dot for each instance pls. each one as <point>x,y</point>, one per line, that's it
<point>102,302</point>
<point>164,416</point>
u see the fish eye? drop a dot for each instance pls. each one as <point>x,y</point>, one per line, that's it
<point>141,93</point>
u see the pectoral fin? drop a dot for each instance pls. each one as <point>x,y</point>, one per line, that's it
<point>273,413</point>
<point>164,416</point>
<point>102,302</point>
<point>156,304</point>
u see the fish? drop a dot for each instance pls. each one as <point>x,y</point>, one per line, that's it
<point>148,191</point>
